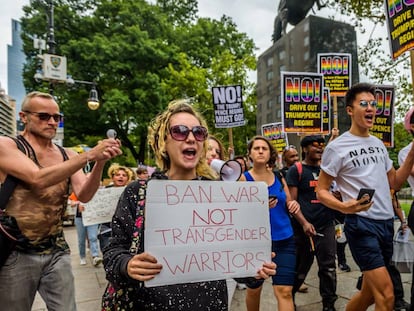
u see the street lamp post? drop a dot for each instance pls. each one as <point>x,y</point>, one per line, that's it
<point>52,67</point>
<point>51,29</point>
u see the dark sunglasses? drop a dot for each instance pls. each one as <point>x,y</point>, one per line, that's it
<point>181,132</point>
<point>44,116</point>
<point>318,144</point>
<point>365,103</point>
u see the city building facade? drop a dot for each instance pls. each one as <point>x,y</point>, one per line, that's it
<point>15,63</point>
<point>7,114</point>
<point>297,52</point>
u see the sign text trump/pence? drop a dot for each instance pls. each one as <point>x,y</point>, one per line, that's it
<point>206,230</point>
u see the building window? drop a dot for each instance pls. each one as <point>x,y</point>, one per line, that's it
<point>282,55</point>
<point>270,104</point>
<point>306,56</point>
<point>306,41</point>
<point>306,26</point>
<point>269,75</point>
<point>269,61</point>
<point>282,68</point>
<point>278,114</point>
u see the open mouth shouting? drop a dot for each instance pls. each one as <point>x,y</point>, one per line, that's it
<point>190,153</point>
<point>369,117</point>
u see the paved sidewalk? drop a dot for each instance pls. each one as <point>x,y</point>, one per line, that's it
<point>90,283</point>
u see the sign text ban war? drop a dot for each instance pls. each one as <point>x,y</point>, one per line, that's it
<point>206,230</point>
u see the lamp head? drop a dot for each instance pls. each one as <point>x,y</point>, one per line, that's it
<point>38,75</point>
<point>93,100</point>
<point>70,81</point>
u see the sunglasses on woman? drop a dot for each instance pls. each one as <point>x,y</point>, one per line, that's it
<point>181,132</point>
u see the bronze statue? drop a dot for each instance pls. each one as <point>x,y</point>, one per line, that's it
<point>292,12</point>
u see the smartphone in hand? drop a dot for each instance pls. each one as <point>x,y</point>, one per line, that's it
<point>364,191</point>
<point>272,200</point>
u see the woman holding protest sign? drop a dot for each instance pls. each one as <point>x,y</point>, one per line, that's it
<point>178,139</point>
<point>120,177</point>
<point>263,156</point>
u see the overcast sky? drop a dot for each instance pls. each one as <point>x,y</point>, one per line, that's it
<point>254,17</point>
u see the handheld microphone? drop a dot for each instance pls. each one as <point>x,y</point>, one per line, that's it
<point>111,133</point>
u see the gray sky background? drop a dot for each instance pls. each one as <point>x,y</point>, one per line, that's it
<point>254,17</point>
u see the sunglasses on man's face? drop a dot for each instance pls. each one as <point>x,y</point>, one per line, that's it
<point>181,132</point>
<point>44,116</point>
<point>318,144</point>
<point>365,103</point>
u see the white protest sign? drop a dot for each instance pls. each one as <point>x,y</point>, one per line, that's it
<point>206,230</point>
<point>102,206</point>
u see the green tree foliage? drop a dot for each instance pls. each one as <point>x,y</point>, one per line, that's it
<point>401,139</point>
<point>369,9</point>
<point>142,55</point>
<point>374,59</point>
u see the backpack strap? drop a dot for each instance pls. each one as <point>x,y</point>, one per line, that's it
<point>280,177</point>
<point>11,182</point>
<point>299,167</point>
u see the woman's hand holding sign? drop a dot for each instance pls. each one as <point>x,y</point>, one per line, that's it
<point>143,267</point>
<point>267,270</point>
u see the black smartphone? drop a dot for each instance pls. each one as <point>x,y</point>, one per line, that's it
<point>272,197</point>
<point>364,191</point>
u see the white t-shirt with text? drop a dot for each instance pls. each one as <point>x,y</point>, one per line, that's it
<point>360,162</point>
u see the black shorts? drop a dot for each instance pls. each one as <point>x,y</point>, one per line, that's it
<point>285,260</point>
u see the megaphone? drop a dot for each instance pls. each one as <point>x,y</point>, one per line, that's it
<point>228,170</point>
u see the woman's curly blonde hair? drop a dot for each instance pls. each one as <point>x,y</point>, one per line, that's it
<point>159,128</point>
<point>115,167</point>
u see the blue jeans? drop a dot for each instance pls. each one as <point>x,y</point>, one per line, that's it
<point>25,274</point>
<point>105,233</point>
<point>92,232</point>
